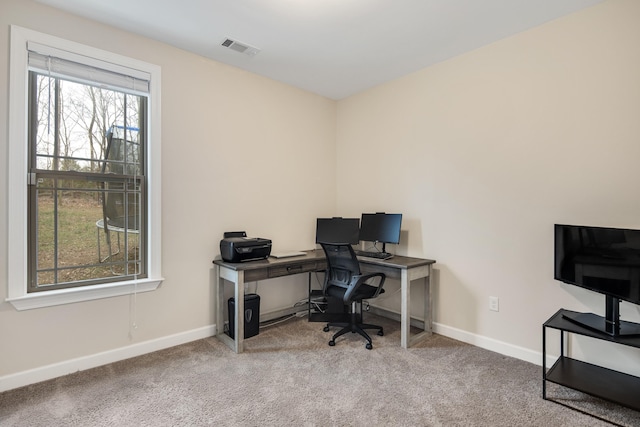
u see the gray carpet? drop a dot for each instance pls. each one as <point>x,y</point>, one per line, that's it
<point>288,375</point>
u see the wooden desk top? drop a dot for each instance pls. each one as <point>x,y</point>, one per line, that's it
<point>398,261</point>
<point>317,255</point>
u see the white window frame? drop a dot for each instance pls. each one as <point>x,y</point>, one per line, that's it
<point>18,172</point>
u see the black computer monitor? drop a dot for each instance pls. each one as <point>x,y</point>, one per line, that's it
<point>380,227</point>
<point>338,230</point>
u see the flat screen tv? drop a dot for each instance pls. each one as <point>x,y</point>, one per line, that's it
<point>337,230</point>
<point>603,260</point>
<point>380,227</point>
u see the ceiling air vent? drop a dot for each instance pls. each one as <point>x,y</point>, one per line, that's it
<point>240,47</point>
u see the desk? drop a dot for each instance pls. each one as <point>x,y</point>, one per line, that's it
<point>403,268</point>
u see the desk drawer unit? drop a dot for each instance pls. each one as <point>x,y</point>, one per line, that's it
<point>286,270</point>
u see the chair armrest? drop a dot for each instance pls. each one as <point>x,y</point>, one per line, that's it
<point>357,281</point>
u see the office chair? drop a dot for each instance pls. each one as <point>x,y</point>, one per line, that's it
<point>343,280</point>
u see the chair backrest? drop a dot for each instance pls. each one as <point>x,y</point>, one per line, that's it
<point>342,264</point>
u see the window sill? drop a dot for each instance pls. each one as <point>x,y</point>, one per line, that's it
<point>87,293</point>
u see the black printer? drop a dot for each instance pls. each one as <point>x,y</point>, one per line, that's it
<point>237,247</point>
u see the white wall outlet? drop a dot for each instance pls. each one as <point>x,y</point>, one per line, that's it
<point>494,304</point>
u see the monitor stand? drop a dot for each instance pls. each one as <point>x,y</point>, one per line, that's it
<point>610,324</point>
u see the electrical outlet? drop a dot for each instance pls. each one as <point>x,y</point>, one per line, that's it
<point>494,304</point>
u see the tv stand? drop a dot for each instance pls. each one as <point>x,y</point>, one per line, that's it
<point>597,381</point>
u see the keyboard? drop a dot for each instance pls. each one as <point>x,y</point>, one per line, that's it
<point>376,255</point>
<point>287,254</point>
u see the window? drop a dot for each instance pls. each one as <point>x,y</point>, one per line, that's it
<point>84,172</point>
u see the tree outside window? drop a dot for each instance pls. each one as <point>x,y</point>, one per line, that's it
<point>86,183</point>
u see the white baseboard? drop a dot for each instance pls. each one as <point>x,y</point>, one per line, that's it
<point>44,373</point>
<point>470,338</point>
<point>287,311</point>
<point>491,344</point>
<point>32,376</point>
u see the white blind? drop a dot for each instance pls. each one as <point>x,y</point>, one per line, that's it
<point>84,69</point>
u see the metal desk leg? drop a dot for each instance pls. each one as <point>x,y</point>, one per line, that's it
<point>239,313</point>
<point>544,362</point>
<point>428,316</point>
<point>406,340</point>
<point>405,315</point>
<point>219,296</point>
<point>237,278</point>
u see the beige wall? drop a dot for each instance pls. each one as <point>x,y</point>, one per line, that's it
<point>229,140</point>
<point>485,152</point>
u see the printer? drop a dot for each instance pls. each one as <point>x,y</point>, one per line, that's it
<point>237,247</point>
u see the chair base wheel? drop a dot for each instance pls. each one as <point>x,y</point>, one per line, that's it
<point>332,343</point>
<point>380,332</point>
<point>369,346</point>
<point>326,329</point>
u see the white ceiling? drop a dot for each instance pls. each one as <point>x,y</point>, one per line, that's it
<point>334,48</point>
